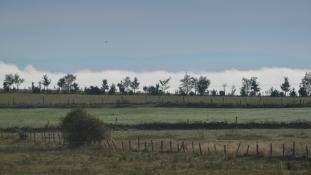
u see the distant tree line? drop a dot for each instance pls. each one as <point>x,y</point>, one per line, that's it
<point>189,85</point>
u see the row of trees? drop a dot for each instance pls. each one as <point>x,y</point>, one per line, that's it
<point>189,85</point>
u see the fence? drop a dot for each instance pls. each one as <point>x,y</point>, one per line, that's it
<point>292,150</point>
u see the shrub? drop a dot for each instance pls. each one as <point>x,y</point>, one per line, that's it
<point>81,128</point>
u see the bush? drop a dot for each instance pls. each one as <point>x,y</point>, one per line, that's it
<point>81,128</point>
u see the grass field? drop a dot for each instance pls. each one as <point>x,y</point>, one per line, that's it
<point>67,100</point>
<point>40,116</point>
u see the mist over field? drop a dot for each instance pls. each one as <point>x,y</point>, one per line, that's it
<point>268,77</point>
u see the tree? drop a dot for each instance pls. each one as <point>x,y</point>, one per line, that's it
<point>233,90</point>
<point>121,87</point>
<point>274,92</point>
<point>306,84</point>
<point>18,80</point>
<point>126,84</point>
<point>254,86</point>
<point>285,86</point>
<point>112,89</point>
<point>81,128</point>
<point>250,87</point>
<point>293,93</point>
<point>61,83</point>
<point>202,85</point>
<point>92,90</point>
<point>194,84</point>
<point>8,81</point>
<point>134,84</point>
<point>186,84</point>
<point>68,83</point>
<point>46,81</point>
<point>302,92</point>
<point>105,86</point>
<point>164,84</point>
<point>224,86</point>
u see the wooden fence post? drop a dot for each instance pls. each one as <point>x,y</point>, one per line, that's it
<point>122,144</point>
<point>161,146</point>
<point>283,150</point>
<point>178,147</point>
<point>215,148</point>
<point>138,144</point>
<point>257,150</point>
<point>237,151</point>
<point>130,145</point>
<point>270,150</point>
<point>171,147</point>
<point>247,150</point>
<point>192,147</point>
<point>307,152</point>
<point>294,149</point>
<point>151,146</point>
<point>145,149</point>
<point>225,152</point>
<point>200,148</point>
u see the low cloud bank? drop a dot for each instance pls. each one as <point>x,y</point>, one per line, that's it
<point>268,77</point>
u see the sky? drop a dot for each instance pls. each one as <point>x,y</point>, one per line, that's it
<point>144,36</point>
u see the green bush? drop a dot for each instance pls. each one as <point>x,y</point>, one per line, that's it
<point>81,128</point>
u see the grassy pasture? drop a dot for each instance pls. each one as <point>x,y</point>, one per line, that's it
<point>61,100</point>
<point>38,117</point>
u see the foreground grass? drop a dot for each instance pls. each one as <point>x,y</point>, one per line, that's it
<point>99,161</point>
<point>39,117</point>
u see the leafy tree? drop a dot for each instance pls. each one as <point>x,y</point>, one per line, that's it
<point>112,89</point>
<point>293,93</point>
<point>194,83</point>
<point>274,92</point>
<point>127,84</point>
<point>68,83</point>
<point>8,81</point>
<point>285,86</point>
<point>164,84</point>
<point>302,92</point>
<point>17,80</point>
<point>105,85</point>
<point>81,128</point>
<point>202,85</point>
<point>214,92</point>
<point>222,93</point>
<point>250,87</point>
<point>145,89</point>
<point>46,81</point>
<point>186,84</point>
<point>121,87</point>
<point>254,86</point>
<point>93,90</point>
<point>306,84</point>
<point>134,84</point>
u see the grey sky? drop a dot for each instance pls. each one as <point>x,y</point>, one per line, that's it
<point>180,35</point>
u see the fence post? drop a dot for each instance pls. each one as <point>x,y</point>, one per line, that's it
<point>183,146</point>
<point>247,150</point>
<point>215,148</point>
<point>122,144</point>
<point>130,145</point>
<point>270,150</point>
<point>307,152</point>
<point>225,152</point>
<point>294,149</point>
<point>192,147</point>
<point>151,146</point>
<point>237,151</point>
<point>200,148</point>
<point>34,137</point>
<point>283,150</point>
<point>146,146</point>
<point>257,150</point>
<point>161,146</point>
<point>171,148</point>
<point>138,144</point>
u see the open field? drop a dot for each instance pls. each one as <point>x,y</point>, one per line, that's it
<point>20,157</point>
<point>40,116</point>
<point>70,100</point>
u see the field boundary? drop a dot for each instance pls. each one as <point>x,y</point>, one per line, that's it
<point>20,100</point>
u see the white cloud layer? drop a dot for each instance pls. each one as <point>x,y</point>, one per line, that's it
<point>268,77</point>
